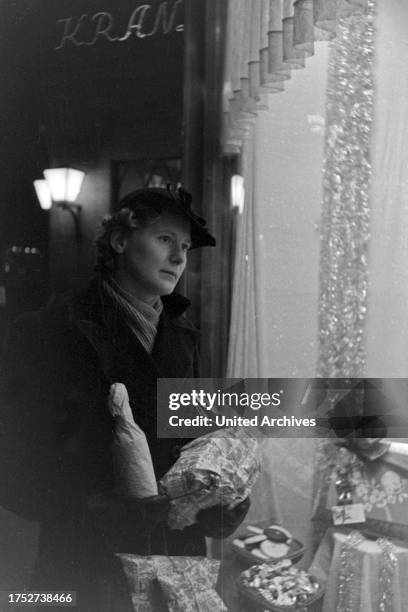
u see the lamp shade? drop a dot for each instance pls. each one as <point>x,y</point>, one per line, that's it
<point>43,194</point>
<point>237,192</point>
<point>64,183</point>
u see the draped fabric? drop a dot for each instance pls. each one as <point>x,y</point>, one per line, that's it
<point>244,354</point>
<point>387,316</point>
<point>274,306</point>
<point>266,40</point>
<point>244,357</point>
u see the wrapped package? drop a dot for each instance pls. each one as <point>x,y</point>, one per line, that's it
<point>218,468</point>
<point>172,584</point>
<point>132,462</point>
<point>188,584</point>
<point>143,588</point>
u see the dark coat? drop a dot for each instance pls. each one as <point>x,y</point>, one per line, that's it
<point>58,369</point>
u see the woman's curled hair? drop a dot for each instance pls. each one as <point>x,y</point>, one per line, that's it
<point>138,211</point>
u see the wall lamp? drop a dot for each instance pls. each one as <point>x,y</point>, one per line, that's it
<point>61,186</point>
<point>237,192</point>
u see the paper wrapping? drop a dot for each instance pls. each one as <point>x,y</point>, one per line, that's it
<point>218,468</point>
<point>188,584</point>
<point>172,584</point>
<point>144,591</point>
<point>132,462</point>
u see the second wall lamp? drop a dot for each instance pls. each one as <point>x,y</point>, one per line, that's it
<point>61,186</point>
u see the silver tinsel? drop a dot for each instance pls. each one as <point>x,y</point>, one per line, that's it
<point>346,205</point>
<point>347,576</point>
<point>387,574</point>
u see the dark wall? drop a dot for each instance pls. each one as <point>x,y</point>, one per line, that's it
<point>84,82</point>
<point>21,153</point>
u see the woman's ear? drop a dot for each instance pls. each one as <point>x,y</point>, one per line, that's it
<point>118,242</point>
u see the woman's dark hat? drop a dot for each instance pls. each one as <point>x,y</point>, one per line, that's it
<point>175,198</point>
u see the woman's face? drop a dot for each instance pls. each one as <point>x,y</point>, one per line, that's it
<point>152,259</point>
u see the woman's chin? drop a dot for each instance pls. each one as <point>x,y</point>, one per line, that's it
<point>166,288</point>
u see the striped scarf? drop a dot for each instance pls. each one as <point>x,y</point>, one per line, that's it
<point>142,318</point>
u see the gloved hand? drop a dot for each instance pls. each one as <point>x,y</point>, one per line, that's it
<point>219,522</point>
<point>150,511</point>
<point>115,517</point>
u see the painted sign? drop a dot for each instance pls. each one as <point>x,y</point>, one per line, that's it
<point>144,21</point>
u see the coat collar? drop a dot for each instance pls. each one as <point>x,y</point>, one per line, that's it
<point>98,319</point>
<point>94,301</point>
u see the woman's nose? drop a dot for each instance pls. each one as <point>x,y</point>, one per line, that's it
<point>178,255</point>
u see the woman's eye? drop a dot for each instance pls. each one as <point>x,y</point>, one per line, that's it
<point>165,238</point>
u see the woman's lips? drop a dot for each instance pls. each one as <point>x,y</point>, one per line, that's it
<point>170,273</point>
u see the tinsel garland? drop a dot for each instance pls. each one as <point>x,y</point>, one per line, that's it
<point>387,573</point>
<point>345,216</point>
<point>348,568</point>
<point>346,207</point>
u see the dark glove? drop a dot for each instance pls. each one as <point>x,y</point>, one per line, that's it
<point>113,516</point>
<point>150,511</point>
<point>220,522</point>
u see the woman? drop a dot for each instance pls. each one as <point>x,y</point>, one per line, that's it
<point>127,327</point>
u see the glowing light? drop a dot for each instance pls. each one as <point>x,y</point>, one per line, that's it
<point>43,193</point>
<point>64,183</point>
<point>237,192</point>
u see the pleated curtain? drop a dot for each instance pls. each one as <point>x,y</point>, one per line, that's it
<point>266,40</point>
